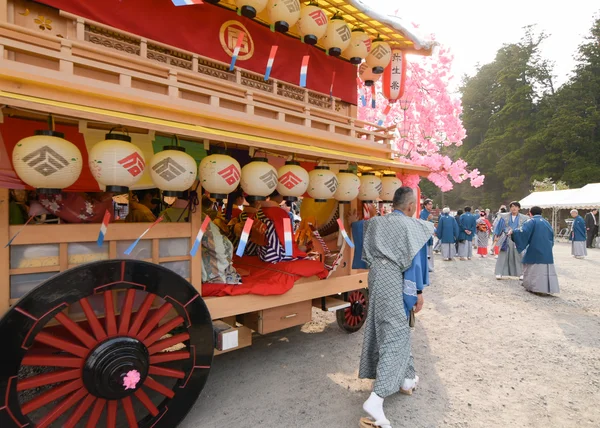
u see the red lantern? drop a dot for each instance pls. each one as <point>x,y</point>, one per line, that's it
<point>394,76</point>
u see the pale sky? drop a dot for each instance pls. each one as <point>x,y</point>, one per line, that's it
<point>475,29</point>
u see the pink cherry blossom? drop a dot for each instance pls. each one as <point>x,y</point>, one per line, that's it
<point>131,379</point>
<point>426,119</point>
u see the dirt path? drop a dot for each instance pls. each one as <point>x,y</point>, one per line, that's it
<point>488,354</point>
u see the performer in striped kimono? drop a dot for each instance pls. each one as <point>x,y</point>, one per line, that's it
<point>394,249</point>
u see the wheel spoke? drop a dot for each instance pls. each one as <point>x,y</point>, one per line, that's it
<point>165,343</point>
<point>145,400</point>
<point>75,330</point>
<point>96,412</point>
<point>154,320</point>
<point>51,361</point>
<point>92,319</point>
<point>62,344</point>
<point>110,321</point>
<point>162,371</point>
<point>80,411</point>
<point>141,315</point>
<point>48,379</point>
<point>169,356</point>
<point>158,387</point>
<point>61,408</point>
<point>162,330</point>
<point>51,395</point>
<point>126,311</point>
<point>129,412</point>
<point>111,414</point>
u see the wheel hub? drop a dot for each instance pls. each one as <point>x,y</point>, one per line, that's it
<point>108,364</point>
<point>356,309</point>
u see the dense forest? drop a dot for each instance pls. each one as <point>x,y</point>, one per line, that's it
<point>521,128</point>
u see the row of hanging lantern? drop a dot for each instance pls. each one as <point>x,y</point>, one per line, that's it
<point>49,163</point>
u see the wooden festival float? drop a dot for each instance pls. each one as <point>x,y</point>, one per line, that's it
<point>123,333</point>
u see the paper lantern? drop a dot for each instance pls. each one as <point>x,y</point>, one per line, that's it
<point>359,46</point>
<point>366,74</point>
<point>389,184</point>
<point>292,181</point>
<point>337,36</point>
<point>219,175</point>
<point>322,184</point>
<point>173,171</point>
<point>370,185</point>
<point>117,163</point>
<point>348,186</point>
<point>212,1</point>
<point>259,179</point>
<point>283,14</point>
<point>250,8</point>
<point>379,56</point>
<point>394,76</point>
<point>312,24</point>
<point>47,161</point>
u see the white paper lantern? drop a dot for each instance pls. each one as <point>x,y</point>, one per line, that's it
<point>366,74</point>
<point>47,161</point>
<point>173,171</point>
<point>251,8</point>
<point>322,184</point>
<point>337,36</point>
<point>312,24</point>
<point>389,184</point>
<point>379,56</point>
<point>292,181</point>
<point>117,163</point>
<point>219,175</point>
<point>348,186</point>
<point>283,14</point>
<point>359,46</point>
<point>370,186</point>
<point>259,179</point>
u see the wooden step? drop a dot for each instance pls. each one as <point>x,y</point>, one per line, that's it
<point>331,304</point>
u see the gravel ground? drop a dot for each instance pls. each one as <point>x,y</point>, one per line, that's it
<point>488,353</point>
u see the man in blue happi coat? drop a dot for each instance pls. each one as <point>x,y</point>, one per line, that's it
<point>447,232</point>
<point>578,236</point>
<point>536,238</point>
<point>467,229</point>
<point>426,215</point>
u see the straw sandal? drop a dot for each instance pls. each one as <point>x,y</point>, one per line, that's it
<point>369,423</point>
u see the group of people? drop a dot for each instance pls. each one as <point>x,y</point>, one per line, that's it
<point>583,233</point>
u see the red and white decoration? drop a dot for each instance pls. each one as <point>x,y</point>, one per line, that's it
<point>394,76</point>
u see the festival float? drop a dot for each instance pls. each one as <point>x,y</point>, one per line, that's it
<point>118,322</point>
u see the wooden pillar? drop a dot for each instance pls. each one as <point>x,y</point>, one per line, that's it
<point>3,10</point>
<point>4,252</point>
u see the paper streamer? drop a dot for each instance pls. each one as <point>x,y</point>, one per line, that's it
<point>331,87</point>
<point>236,51</point>
<point>132,246</point>
<point>366,212</point>
<point>373,97</point>
<point>20,230</point>
<point>344,233</point>
<point>340,240</point>
<point>304,71</point>
<point>270,62</point>
<point>186,2</point>
<point>198,240</point>
<point>103,228</point>
<point>287,237</point>
<point>361,92</point>
<point>244,238</point>
<point>383,115</point>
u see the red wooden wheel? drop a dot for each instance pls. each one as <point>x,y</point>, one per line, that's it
<point>352,318</point>
<point>138,355</point>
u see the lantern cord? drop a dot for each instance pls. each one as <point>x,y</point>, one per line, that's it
<point>192,202</point>
<point>122,128</point>
<point>176,140</point>
<point>51,122</point>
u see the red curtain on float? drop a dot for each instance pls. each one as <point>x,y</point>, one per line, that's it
<point>206,28</point>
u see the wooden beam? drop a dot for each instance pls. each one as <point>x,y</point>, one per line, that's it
<point>4,252</point>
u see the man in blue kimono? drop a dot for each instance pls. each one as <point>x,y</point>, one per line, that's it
<point>447,232</point>
<point>426,215</point>
<point>394,248</point>
<point>468,228</point>
<point>578,236</point>
<point>536,238</point>
<point>509,261</point>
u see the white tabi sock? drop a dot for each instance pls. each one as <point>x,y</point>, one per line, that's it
<point>374,407</point>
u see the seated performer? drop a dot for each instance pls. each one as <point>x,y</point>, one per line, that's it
<point>75,207</point>
<point>536,238</point>
<point>141,205</point>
